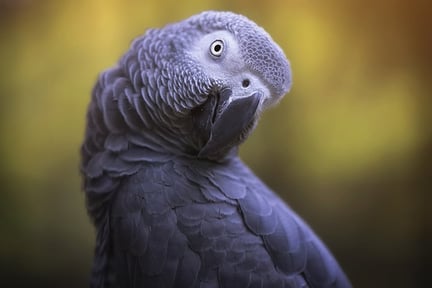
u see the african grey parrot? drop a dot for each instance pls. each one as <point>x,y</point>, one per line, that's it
<point>172,203</point>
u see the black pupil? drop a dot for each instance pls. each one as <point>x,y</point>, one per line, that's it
<point>245,83</point>
<point>217,48</point>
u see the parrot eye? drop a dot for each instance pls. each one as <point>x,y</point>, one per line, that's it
<point>245,83</point>
<point>216,48</point>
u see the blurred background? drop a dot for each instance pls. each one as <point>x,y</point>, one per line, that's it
<point>349,148</point>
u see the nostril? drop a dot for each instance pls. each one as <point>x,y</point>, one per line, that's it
<point>245,83</point>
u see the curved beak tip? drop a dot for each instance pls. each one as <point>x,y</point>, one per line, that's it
<point>232,117</point>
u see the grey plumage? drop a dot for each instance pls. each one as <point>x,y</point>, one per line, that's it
<point>172,203</point>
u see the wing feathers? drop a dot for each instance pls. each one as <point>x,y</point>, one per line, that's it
<point>168,233</point>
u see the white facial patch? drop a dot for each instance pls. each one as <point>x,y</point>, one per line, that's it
<point>219,55</point>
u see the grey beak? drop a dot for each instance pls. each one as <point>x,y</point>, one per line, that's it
<point>229,121</point>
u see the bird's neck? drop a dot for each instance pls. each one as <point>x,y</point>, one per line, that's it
<point>156,145</point>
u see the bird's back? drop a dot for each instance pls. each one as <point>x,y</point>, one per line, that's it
<point>196,223</point>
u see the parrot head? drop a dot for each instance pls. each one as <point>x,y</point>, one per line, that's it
<point>252,73</point>
<point>205,81</point>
